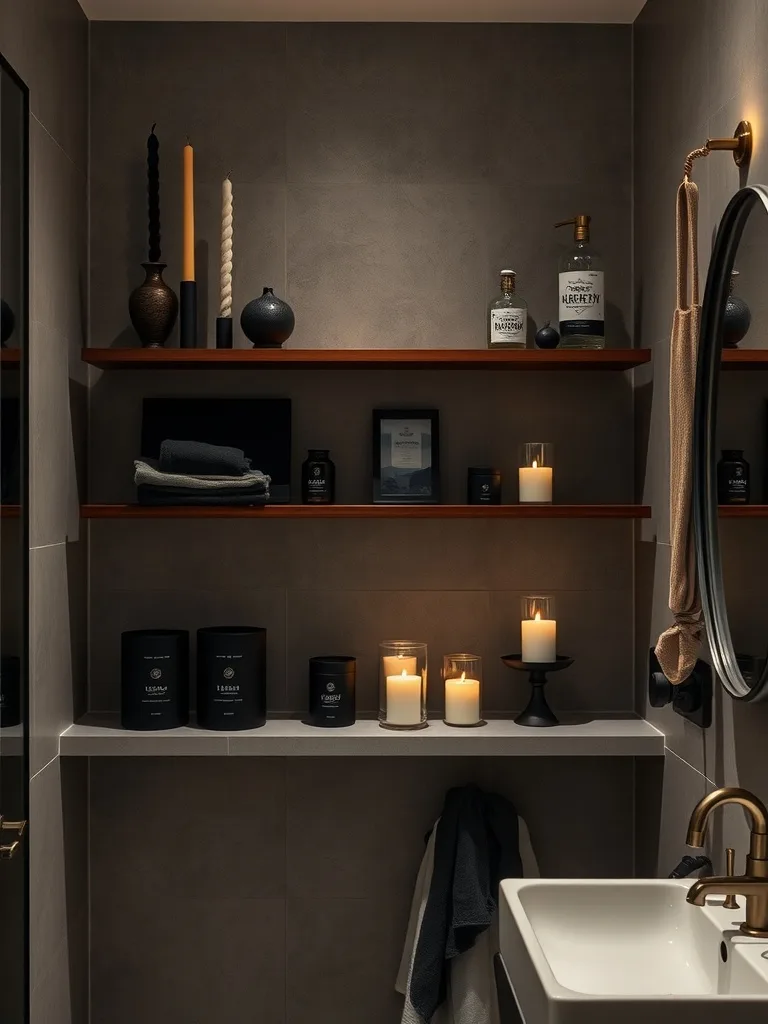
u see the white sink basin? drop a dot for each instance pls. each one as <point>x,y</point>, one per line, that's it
<point>628,952</point>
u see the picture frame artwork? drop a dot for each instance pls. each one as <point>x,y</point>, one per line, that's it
<point>406,457</point>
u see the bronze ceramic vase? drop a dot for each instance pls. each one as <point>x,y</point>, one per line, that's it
<point>153,307</point>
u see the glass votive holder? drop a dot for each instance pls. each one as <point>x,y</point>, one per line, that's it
<point>535,473</point>
<point>402,684</point>
<point>463,675</point>
<point>538,630</point>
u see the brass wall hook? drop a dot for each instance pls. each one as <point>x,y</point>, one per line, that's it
<point>740,144</point>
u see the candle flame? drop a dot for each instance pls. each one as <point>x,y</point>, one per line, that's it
<point>537,617</point>
<point>535,464</point>
<point>463,677</point>
<point>404,673</point>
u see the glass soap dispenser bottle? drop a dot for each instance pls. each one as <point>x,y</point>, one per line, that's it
<point>581,290</point>
<point>507,316</point>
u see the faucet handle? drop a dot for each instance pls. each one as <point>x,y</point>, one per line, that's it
<point>731,903</point>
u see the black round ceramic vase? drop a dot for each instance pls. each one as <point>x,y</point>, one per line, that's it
<point>267,322</point>
<point>7,322</point>
<point>153,307</point>
<point>737,318</point>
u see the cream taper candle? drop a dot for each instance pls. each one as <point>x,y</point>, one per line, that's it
<point>225,308</point>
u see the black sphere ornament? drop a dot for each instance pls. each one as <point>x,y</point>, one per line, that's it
<point>267,322</point>
<point>7,322</point>
<point>547,337</point>
<point>737,318</point>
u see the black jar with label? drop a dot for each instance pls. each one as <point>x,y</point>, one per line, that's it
<point>483,486</point>
<point>154,679</point>
<point>10,691</point>
<point>732,478</point>
<point>332,691</point>
<point>231,677</point>
<point>318,478</point>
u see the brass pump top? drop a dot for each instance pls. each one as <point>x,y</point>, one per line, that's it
<point>580,226</point>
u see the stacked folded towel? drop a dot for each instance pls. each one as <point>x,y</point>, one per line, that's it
<point>193,473</point>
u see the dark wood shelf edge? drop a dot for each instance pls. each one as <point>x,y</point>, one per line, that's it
<point>744,511</point>
<point>745,359</point>
<point>367,512</point>
<point>528,359</point>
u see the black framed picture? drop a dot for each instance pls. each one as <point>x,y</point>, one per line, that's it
<point>406,456</point>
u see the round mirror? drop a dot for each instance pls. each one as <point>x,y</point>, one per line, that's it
<point>730,443</point>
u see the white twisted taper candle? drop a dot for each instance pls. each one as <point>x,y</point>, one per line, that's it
<point>226,248</point>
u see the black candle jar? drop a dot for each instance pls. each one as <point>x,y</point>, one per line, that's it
<point>483,486</point>
<point>154,679</point>
<point>231,677</point>
<point>10,691</point>
<point>332,691</point>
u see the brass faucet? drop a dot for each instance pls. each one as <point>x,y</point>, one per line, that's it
<point>753,884</point>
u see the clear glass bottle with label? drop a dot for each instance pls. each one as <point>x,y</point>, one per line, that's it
<point>507,316</point>
<point>581,290</point>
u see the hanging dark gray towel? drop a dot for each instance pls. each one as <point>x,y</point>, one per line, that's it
<point>476,846</point>
<point>195,458</point>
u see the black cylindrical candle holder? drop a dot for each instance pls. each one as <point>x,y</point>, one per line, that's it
<point>483,486</point>
<point>332,691</point>
<point>10,691</point>
<point>231,677</point>
<point>154,679</point>
<point>188,314</point>
<point>223,332</point>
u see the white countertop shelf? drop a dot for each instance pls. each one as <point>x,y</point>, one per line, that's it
<point>579,736</point>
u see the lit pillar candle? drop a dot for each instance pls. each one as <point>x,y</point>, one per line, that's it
<point>226,249</point>
<point>394,664</point>
<point>404,699</point>
<point>462,701</point>
<point>188,256</point>
<point>539,639</point>
<point>535,483</point>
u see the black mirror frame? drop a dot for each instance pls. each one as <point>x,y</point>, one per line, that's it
<point>705,505</point>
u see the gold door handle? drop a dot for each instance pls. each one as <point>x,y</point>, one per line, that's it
<point>9,850</point>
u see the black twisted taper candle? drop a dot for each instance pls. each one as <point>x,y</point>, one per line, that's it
<point>153,192</point>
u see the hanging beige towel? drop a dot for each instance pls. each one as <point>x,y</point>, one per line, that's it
<point>678,646</point>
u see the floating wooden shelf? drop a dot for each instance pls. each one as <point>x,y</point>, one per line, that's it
<point>10,511</point>
<point>745,359</point>
<point>366,512</point>
<point>744,511</point>
<point>10,358</point>
<point>426,359</point>
<point>578,735</point>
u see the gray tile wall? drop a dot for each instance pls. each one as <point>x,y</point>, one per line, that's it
<point>280,890</point>
<point>699,68</point>
<point>47,42</point>
<point>383,175</point>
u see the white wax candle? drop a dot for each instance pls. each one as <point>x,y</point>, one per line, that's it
<point>535,483</point>
<point>462,701</point>
<point>395,664</point>
<point>539,639</point>
<point>404,699</point>
<point>225,306</point>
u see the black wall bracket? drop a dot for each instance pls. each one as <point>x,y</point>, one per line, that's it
<point>691,699</point>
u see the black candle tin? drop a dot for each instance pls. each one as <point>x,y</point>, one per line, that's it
<point>231,677</point>
<point>483,486</point>
<point>332,691</point>
<point>10,691</point>
<point>155,679</point>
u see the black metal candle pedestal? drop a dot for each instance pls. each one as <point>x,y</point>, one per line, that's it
<point>538,713</point>
<point>188,318</point>
<point>223,332</point>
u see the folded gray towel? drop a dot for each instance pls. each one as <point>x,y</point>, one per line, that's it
<point>195,458</point>
<point>148,495</point>
<point>147,472</point>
